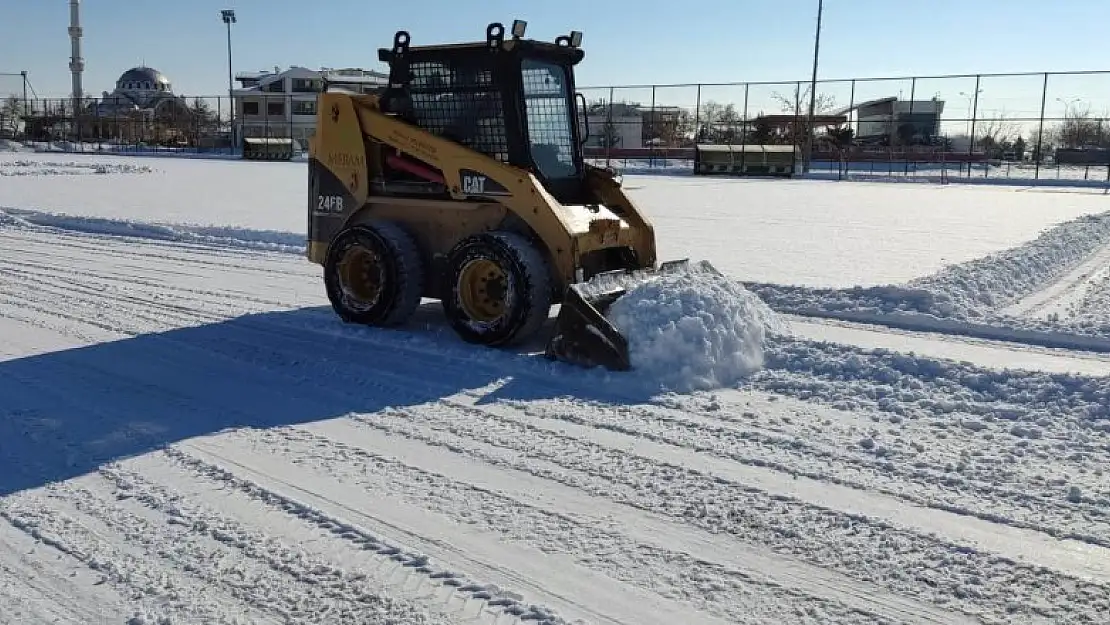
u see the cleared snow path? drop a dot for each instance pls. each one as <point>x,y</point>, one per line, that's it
<point>1059,299</point>
<point>991,354</point>
<point>284,467</point>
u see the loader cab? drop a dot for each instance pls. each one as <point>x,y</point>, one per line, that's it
<point>512,99</point>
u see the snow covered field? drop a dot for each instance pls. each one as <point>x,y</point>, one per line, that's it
<point>812,233</point>
<point>188,435</point>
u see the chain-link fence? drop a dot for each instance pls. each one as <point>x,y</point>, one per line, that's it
<point>1017,126</point>
<point>203,125</point>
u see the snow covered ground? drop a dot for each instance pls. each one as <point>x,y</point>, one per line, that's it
<point>188,435</point>
<point>800,232</point>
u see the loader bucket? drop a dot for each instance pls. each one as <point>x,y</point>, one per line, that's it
<point>583,335</point>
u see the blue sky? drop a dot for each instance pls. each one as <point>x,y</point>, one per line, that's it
<point>646,41</point>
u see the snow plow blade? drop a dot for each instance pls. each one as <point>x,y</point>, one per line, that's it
<point>583,335</point>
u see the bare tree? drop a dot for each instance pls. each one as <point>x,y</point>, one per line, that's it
<point>684,129</point>
<point>797,102</point>
<point>720,123</point>
<point>1080,129</point>
<point>12,114</point>
<point>994,133</point>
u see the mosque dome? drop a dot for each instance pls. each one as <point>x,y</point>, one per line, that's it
<point>143,79</point>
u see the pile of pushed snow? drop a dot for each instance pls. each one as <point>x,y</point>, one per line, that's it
<point>225,236</point>
<point>984,284</point>
<point>978,290</point>
<point>694,329</point>
<point>68,168</point>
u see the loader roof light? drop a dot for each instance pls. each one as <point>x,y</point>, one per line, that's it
<point>519,26</point>
<point>575,39</point>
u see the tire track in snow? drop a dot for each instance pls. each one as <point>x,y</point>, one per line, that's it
<point>69,520</point>
<point>614,541</point>
<point>39,585</point>
<point>284,578</point>
<point>391,391</point>
<point>570,589</point>
<point>765,445</point>
<point>867,548</point>
<point>118,246</point>
<point>805,451</point>
<point>1071,558</point>
<point>958,507</point>
<point>1056,298</point>
<point>201,407</point>
<point>288,362</point>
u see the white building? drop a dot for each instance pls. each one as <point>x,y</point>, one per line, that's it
<point>283,103</point>
<point>631,125</point>
<point>618,131</point>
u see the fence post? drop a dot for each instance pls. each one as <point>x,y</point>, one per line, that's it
<point>974,118</point>
<point>797,114</point>
<point>609,127</point>
<point>846,163</point>
<point>906,148</point>
<point>651,159</point>
<point>744,132</point>
<point>1040,130</point>
<point>26,103</point>
<point>697,116</point>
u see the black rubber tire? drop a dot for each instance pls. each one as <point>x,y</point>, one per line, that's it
<point>403,274</point>
<point>529,288</point>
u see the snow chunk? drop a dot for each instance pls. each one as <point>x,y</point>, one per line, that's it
<point>694,329</point>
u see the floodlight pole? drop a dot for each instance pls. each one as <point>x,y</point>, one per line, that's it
<point>813,87</point>
<point>228,17</point>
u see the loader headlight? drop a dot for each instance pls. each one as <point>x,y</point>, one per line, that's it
<point>575,39</point>
<point>519,26</point>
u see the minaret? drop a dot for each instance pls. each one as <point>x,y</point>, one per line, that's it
<point>76,62</point>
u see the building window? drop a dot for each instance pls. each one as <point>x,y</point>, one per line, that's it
<point>277,86</point>
<point>304,107</point>
<point>307,85</point>
<point>275,108</point>
<point>250,108</point>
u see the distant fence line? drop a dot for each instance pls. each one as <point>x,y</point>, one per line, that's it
<point>1022,119</point>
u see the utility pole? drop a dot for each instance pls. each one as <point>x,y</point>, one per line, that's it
<point>813,87</point>
<point>228,17</point>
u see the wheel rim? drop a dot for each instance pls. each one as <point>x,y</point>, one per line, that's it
<point>482,290</point>
<point>361,277</point>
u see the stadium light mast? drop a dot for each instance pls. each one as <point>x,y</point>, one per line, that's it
<point>228,17</point>
<point>813,87</point>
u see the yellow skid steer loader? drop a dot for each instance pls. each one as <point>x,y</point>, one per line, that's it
<point>464,181</point>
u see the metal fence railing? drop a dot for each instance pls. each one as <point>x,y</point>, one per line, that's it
<point>1053,125</point>
<point>1049,125</point>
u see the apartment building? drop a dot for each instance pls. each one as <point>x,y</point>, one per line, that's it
<point>283,103</point>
